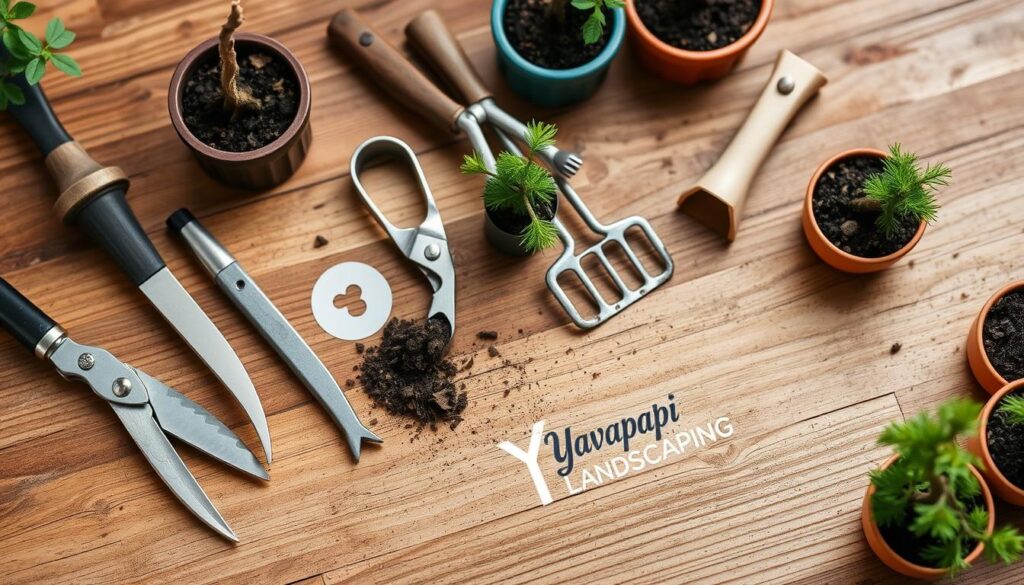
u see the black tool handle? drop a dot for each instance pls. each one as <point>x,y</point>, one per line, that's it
<point>25,322</point>
<point>103,213</point>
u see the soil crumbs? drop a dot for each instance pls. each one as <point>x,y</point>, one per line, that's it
<point>1003,336</point>
<point>267,78</point>
<point>545,42</point>
<point>852,231</point>
<point>910,546</point>
<point>408,374</point>
<point>1006,444</point>
<point>698,25</point>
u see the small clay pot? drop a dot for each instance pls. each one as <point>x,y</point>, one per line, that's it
<point>264,167</point>
<point>504,241</point>
<point>978,444</point>
<point>901,565</point>
<point>986,374</point>
<point>690,67</point>
<point>828,251</point>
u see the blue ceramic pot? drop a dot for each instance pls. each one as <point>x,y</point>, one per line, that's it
<point>554,87</point>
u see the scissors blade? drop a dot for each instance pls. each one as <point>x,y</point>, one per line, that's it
<point>143,428</point>
<point>167,294</point>
<point>193,424</point>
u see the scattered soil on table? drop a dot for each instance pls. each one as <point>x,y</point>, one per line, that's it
<point>895,348</point>
<point>487,335</point>
<point>408,374</point>
<point>547,43</point>
<point>319,242</point>
<point>515,223</point>
<point>698,25</point>
<point>909,546</point>
<point>850,230</point>
<point>1003,336</point>
<point>1006,444</point>
<point>267,77</point>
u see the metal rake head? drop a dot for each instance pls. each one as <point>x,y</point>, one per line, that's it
<point>567,163</point>
<point>612,233</point>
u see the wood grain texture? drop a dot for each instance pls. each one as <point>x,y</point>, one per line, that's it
<point>797,355</point>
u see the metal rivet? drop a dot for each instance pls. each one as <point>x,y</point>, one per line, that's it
<point>432,252</point>
<point>86,361</point>
<point>240,284</point>
<point>786,85</point>
<point>122,387</point>
<point>366,39</point>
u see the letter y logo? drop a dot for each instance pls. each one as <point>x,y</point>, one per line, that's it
<point>530,459</point>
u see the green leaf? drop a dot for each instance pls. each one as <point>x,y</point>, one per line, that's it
<point>1012,407</point>
<point>583,4</point>
<point>31,43</point>
<point>937,520</point>
<point>34,70</point>
<point>473,164</point>
<point>66,64</point>
<point>540,135</point>
<point>14,94</point>
<point>16,66</point>
<point>948,555</point>
<point>3,8</point>
<point>538,235</point>
<point>54,29</point>
<point>615,4</point>
<point>593,27</point>
<point>1005,544</point>
<point>13,43</point>
<point>61,42</point>
<point>22,10</point>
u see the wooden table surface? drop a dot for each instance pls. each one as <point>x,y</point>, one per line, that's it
<point>795,354</point>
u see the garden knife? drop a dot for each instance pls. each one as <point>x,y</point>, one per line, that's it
<point>262,313</point>
<point>93,198</point>
<point>148,409</point>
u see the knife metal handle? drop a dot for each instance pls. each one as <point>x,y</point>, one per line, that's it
<point>92,195</point>
<point>212,255</point>
<point>26,323</point>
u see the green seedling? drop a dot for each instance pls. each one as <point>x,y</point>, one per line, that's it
<point>25,53</point>
<point>1013,408</point>
<point>931,491</point>
<point>902,190</point>
<point>593,27</point>
<point>520,185</point>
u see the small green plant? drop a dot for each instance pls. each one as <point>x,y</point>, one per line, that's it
<point>593,27</point>
<point>930,489</point>
<point>520,185</point>
<point>26,53</point>
<point>902,190</point>
<point>1013,407</point>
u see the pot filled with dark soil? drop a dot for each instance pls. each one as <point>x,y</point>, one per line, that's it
<point>504,228</point>
<point>254,132</point>
<point>995,344</point>
<point>551,51</point>
<point>857,220</point>
<point>1000,443</point>
<point>696,40</point>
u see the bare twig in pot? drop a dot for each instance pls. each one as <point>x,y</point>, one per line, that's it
<point>236,98</point>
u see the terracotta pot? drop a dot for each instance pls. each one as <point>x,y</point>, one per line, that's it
<point>689,67</point>
<point>898,563</point>
<point>828,251</point>
<point>991,380</point>
<point>978,445</point>
<point>258,169</point>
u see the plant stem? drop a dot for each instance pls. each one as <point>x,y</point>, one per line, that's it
<point>236,98</point>
<point>866,205</point>
<point>556,11</point>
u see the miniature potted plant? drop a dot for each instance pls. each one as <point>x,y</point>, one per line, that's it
<point>25,53</point>
<point>241,103</point>
<point>520,196</point>
<point>928,512</point>
<point>999,443</point>
<point>554,52</point>
<point>688,42</point>
<point>866,209</point>
<point>995,344</point>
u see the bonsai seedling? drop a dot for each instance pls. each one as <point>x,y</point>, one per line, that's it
<point>1013,408</point>
<point>926,501</point>
<point>902,190</point>
<point>522,187</point>
<point>26,53</point>
<point>236,97</point>
<point>593,26</point>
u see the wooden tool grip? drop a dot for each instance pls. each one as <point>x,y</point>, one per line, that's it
<point>436,44</point>
<point>391,70</point>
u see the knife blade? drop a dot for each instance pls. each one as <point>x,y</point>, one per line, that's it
<point>274,327</point>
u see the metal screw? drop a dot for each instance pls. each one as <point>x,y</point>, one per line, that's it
<point>122,387</point>
<point>786,85</point>
<point>366,39</point>
<point>432,252</point>
<point>86,361</point>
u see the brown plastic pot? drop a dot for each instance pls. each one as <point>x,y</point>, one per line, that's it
<point>901,565</point>
<point>986,374</point>
<point>258,169</point>
<point>978,444</point>
<point>828,251</point>
<point>690,67</point>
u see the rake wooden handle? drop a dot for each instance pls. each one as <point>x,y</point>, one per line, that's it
<point>436,44</point>
<point>392,71</point>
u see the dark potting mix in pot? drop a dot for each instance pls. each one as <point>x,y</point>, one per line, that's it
<point>1005,437</point>
<point>698,25</point>
<point>552,33</point>
<point>1003,336</point>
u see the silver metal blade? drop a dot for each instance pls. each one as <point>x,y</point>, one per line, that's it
<point>141,425</point>
<point>252,301</point>
<point>194,425</point>
<point>167,294</point>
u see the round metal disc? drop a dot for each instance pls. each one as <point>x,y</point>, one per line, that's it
<point>373,290</point>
